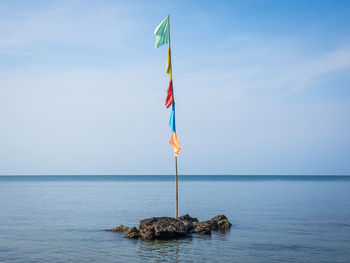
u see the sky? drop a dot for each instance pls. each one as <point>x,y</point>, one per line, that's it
<point>261,87</point>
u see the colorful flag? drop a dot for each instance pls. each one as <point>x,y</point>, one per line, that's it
<point>172,119</point>
<point>174,141</point>
<point>170,95</point>
<point>162,33</point>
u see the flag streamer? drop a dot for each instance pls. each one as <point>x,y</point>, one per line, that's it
<point>162,33</point>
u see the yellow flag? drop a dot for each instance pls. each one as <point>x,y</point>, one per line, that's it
<point>168,63</point>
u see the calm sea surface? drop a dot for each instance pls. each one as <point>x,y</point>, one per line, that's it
<point>275,218</point>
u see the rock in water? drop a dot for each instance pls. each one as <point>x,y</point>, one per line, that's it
<point>201,228</point>
<point>216,223</point>
<point>161,228</point>
<point>171,228</point>
<point>219,222</point>
<point>188,221</point>
<point>188,218</point>
<point>120,228</point>
<point>132,233</point>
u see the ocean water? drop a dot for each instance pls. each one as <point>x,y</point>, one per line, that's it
<point>275,218</point>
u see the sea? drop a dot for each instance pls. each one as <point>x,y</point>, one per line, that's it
<point>274,218</point>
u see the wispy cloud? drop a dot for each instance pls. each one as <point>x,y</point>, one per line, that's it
<point>283,65</point>
<point>66,25</point>
<point>307,72</point>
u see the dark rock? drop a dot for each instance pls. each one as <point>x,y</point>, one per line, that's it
<point>201,228</point>
<point>219,222</point>
<point>147,234</point>
<point>171,228</point>
<point>188,221</point>
<point>187,217</point>
<point>132,233</point>
<point>161,228</point>
<point>120,228</point>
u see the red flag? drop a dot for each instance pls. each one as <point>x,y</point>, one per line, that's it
<point>169,97</point>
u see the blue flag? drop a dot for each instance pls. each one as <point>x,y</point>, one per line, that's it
<point>172,119</point>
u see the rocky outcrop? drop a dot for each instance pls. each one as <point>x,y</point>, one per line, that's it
<point>201,228</point>
<point>132,233</point>
<point>218,222</point>
<point>161,228</point>
<point>172,228</point>
<point>188,222</point>
<point>187,218</point>
<point>120,228</point>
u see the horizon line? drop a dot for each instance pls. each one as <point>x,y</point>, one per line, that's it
<point>3,175</point>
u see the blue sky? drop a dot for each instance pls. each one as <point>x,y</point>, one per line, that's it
<point>262,87</point>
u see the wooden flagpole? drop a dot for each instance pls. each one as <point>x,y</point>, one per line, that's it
<point>176,184</point>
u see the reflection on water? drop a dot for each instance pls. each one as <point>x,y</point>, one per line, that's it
<point>189,249</point>
<point>223,234</point>
<point>161,250</point>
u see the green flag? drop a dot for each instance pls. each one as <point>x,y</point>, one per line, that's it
<point>162,33</point>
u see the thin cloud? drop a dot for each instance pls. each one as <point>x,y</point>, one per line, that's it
<point>71,25</point>
<point>327,63</point>
<point>244,63</point>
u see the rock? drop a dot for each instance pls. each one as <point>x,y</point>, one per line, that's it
<point>171,228</point>
<point>147,234</point>
<point>201,228</point>
<point>132,233</point>
<point>161,228</point>
<point>188,218</point>
<point>188,221</point>
<point>219,222</point>
<point>120,228</point>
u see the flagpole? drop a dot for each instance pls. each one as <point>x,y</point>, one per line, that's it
<point>176,184</point>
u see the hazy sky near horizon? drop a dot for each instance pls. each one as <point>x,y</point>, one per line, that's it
<point>261,87</point>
